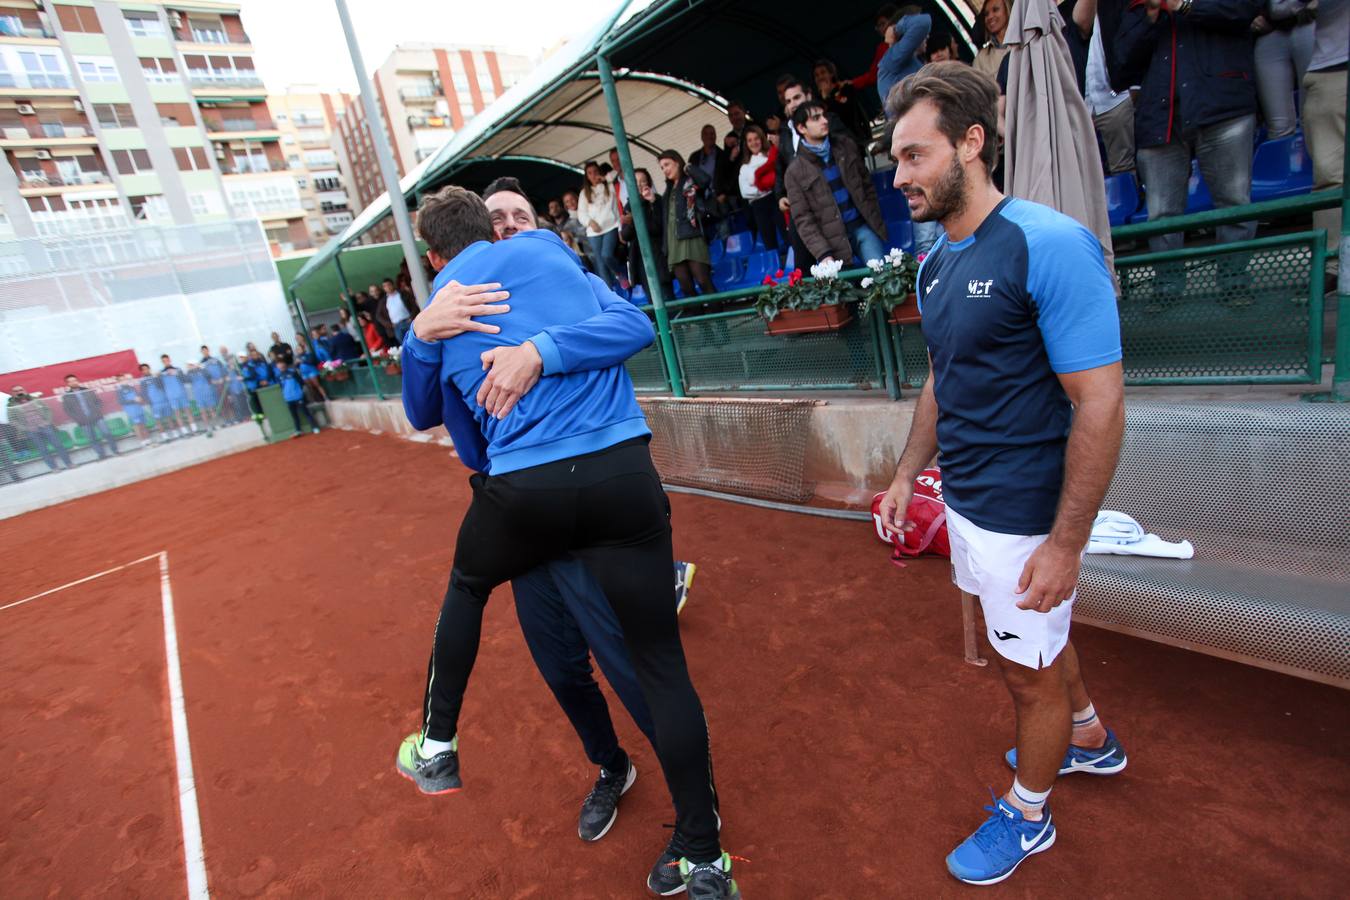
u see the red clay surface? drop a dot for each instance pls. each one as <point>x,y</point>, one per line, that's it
<point>853,746</point>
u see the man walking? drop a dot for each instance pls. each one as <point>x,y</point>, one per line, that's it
<point>85,407</point>
<point>833,200</point>
<point>1025,406</point>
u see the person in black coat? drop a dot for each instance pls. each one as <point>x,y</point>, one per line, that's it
<point>84,407</point>
<point>654,206</point>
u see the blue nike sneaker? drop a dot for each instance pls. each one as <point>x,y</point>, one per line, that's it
<point>998,846</point>
<point>1108,759</point>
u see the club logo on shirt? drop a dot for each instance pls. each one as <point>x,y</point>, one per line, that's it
<point>978,290</point>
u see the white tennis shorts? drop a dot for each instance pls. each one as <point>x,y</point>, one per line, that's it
<point>988,564</point>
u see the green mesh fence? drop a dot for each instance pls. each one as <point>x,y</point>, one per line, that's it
<point>733,351</point>
<point>648,370</point>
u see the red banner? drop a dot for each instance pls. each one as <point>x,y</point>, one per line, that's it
<point>94,371</point>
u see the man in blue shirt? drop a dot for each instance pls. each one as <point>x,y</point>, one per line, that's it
<point>567,472</point>
<point>1025,408</point>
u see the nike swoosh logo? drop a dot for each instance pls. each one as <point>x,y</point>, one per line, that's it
<point>1089,763</point>
<point>1028,844</point>
<point>932,284</point>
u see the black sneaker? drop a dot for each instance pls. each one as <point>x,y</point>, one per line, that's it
<point>601,806</point>
<point>664,879</point>
<point>710,880</point>
<point>438,774</point>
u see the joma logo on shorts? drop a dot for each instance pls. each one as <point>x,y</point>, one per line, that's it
<point>977,288</point>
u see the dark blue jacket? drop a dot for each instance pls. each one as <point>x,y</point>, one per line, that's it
<point>292,386</point>
<point>256,371</point>
<point>1193,70</point>
<point>344,347</point>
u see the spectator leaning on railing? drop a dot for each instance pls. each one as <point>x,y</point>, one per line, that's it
<point>34,420</point>
<point>1193,62</point>
<point>84,407</point>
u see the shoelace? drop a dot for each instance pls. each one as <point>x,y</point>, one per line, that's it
<point>608,788</point>
<point>992,832</point>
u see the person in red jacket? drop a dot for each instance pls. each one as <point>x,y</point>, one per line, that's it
<point>763,204</point>
<point>373,338</point>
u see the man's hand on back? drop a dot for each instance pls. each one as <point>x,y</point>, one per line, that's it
<point>511,373</point>
<point>456,307</point>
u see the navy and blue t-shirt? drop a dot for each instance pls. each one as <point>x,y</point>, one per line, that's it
<point>1023,299</point>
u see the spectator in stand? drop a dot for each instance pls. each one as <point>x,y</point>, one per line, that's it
<point>374,340</point>
<point>258,374</point>
<point>152,387</point>
<point>347,324</point>
<point>1284,48</point>
<point>132,401</point>
<point>556,216</point>
<point>654,209</point>
<point>942,47</point>
<point>881,22</point>
<point>205,395</point>
<point>342,345</point>
<point>307,363</point>
<point>1193,62</point>
<point>1324,109</point>
<point>994,16</point>
<point>839,99</point>
<point>571,226</point>
<point>175,391</point>
<point>616,180</point>
<point>906,38</point>
<point>281,350</point>
<point>399,308</point>
<point>681,231</point>
<point>1112,113</point>
<point>598,212</point>
<point>738,116</point>
<point>789,140</point>
<point>714,162</point>
<point>756,183</point>
<point>318,342</point>
<point>84,407</point>
<point>834,202</point>
<point>293,392</point>
<point>33,419</point>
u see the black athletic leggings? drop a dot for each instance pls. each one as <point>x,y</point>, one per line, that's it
<point>609,510</point>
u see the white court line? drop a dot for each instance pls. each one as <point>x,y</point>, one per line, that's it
<point>193,851</point>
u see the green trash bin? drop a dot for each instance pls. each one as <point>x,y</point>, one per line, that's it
<point>276,413</point>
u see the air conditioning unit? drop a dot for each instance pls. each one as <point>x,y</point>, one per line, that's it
<point>43,154</point>
<point>25,109</point>
<point>79,106</point>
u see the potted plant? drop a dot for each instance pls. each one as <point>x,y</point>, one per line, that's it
<point>334,370</point>
<point>803,306</point>
<point>891,287</point>
<point>391,364</point>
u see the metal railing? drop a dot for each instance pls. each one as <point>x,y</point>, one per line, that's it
<point>45,179</point>
<point>239,125</point>
<point>222,78</point>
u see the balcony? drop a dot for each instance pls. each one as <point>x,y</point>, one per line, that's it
<point>12,26</point>
<point>419,93</point>
<point>39,180</point>
<point>308,121</point>
<point>233,125</point>
<point>224,78</point>
<point>252,167</point>
<point>48,134</point>
<point>36,81</point>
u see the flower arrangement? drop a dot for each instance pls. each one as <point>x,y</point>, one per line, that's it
<point>891,283</point>
<point>779,296</point>
<point>334,370</point>
<point>331,364</point>
<point>825,289</point>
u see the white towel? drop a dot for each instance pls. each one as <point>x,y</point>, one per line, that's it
<point>1115,532</point>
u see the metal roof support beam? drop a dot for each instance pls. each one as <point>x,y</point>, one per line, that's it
<point>654,289</point>
<point>361,332</point>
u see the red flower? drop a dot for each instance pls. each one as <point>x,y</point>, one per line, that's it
<point>768,279</point>
<point>920,257</point>
<point>778,274</point>
<point>795,278</point>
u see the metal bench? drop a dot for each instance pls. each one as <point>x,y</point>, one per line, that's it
<point>1263,492</point>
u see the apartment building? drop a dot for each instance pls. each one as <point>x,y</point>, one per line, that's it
<point>113,111</point>
<point>426,92</point>
<point>307,117</point>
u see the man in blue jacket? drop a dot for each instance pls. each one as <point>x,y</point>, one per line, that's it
<point>293,392</point>
<point>568,471</point>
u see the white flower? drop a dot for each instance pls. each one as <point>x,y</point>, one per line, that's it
<point>898,261</point>
<point>866,283</point>
<point>827,270</point>
<point>875,265</point>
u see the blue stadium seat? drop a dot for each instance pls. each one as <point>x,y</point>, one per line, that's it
<point>638,296</point>
<point>739,243</point>
<point>1281,168</point>
<point>758,265</point>
<point>791,259</point>
<point>1197,192</point>
<point>894,206</point>
<point>900,233</point>
<point>1122,198</point>
<point>716,250</point>
<point>885,181</point>
<point>727,274</point>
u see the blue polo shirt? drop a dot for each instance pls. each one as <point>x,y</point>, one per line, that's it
<point>1025,298</point>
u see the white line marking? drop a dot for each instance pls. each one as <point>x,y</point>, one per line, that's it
<point>81,581</point>
<point>194,856</point>
<point>193,851</point>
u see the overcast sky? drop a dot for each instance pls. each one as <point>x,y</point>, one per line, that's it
<point>301,42</point>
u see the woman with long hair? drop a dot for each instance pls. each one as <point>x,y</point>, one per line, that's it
<point>757,181</point>
<point>686,250</point>
<point>369,327</point>
<point>598,210</point>
<point>346,323</point>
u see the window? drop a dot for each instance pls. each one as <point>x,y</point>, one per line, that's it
<point>44,70</point>
<point>97,69</point>
<point>191,159</point>
<point>114,115</point>
<point>144,24</point>
<point>301,182</point>
<point>175,114</point>
<point>132,162</point>
<point>78,18</point>
<point>160,70</point>
<point>294,162</point>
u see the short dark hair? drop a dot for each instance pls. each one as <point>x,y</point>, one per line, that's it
<point>963,97</point>
<point>788,81</point>
<point>508,184</point>
<point>886,11</point>
<point>164,356</point>
<point>784,80</point>
<point>803,112</point>
<point>452,219</point>
<point>829,67</point>
<point>739,103</point>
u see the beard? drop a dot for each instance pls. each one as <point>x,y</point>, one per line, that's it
<point>948,197</point>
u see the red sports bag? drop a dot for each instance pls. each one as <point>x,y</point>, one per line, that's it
<point>927,512</point>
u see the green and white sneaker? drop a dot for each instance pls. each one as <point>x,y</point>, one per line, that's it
<point>710,880</point>
<point>437,774</point>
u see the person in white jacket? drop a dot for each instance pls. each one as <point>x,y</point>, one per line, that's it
<point>598,210</point>
<point>763,206</point>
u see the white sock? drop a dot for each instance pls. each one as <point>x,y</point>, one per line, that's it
<point>1082,718</point>
<point>430,748</point>
<point>1031,802</point>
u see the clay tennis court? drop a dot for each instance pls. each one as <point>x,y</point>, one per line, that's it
<point>853,746</point>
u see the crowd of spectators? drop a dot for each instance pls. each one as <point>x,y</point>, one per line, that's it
<point>1166,81</point>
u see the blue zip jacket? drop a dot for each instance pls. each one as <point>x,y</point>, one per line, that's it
<point>127,395</point>
<point>583,332</point>
<point>901,59</point>
<point>256,371</point>
<point>321,350</point>
<point>214,368</point>
<point>292,386</point>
